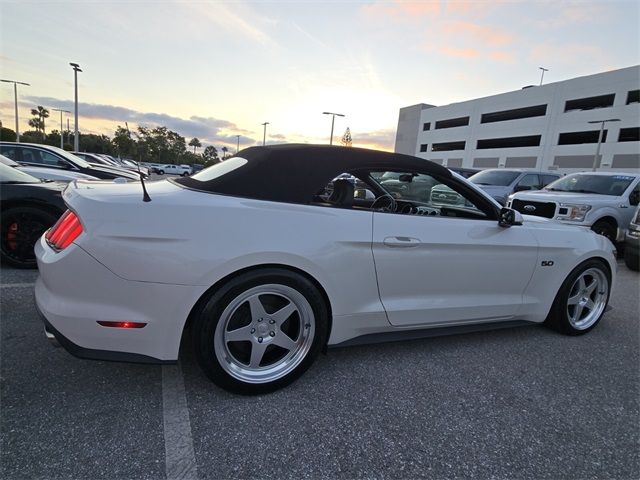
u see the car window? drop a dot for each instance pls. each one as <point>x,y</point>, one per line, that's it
<point>423,194</point>
<point>585,183</point>
<point>40,157</point>
<point>531,181</point>
<point>9,152</point>
<point>494,177</point>
<point>547,179</point>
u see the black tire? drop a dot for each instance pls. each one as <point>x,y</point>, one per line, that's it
<point>160,172</point>
<point>558,318</point>
<point>207,318</point>
<point>606,229</point>
<point>631,260</point>
<point>21,227</point>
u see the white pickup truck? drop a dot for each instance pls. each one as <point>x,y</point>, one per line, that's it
<point>182,170</point>
<point>602,201</point>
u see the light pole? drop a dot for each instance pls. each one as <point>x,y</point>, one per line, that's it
<point>333,118</point>
<point>264,134</point>
<point>76,139</point>
<point>61,134</point>
<point>542,76</point>
<point>237,143</point>
<point>15,98</point>
<point>601,122</point>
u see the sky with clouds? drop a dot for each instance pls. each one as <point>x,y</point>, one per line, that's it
<point>217,69</point>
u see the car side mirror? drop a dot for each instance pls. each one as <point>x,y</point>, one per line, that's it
<point>509,217</point>
<point>522,188</point>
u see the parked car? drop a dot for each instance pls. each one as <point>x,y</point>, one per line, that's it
<point>44,173</point>
<point>101,159</point>
<point>53,157</point>
<point>502,182</point>
<point>602,201</point>
<point>632,243</point>
<point>465,172</point>
<point>274,273</point>
<point>28,206</point>
<point>182,170</point>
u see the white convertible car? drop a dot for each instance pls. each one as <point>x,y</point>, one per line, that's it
<point>265,261</point>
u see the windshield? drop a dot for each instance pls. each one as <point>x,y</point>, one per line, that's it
<point>219,169</point>
<point>76,160</point>
<point>499,178</point>
<point>12,175</point>
<point>600,184</point>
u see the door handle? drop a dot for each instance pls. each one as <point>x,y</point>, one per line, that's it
<point>401,242</point>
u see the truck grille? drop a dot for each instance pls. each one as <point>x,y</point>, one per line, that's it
<point>539,209</point>
<point>447,198</point>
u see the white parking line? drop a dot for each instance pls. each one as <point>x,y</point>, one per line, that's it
<point>17,285</point>
<point>180,458</point>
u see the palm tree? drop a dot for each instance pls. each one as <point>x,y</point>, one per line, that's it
<point>224,152</point>
<point>195,143</point>
<point>41,113</point>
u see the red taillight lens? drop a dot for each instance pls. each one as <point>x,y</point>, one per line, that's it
<point>65,231</point>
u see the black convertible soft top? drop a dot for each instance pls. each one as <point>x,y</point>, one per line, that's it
<point>293,173</point>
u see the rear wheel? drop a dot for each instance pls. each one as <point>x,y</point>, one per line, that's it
<point>581,300</point>
<point>260,331</point>
<point>606,229</point>
<point>21,227</point>
<point>160,172</point>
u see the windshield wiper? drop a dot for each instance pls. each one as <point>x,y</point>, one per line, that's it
<point>586,191</point>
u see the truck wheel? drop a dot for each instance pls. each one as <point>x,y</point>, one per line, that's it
<point>606,229</point>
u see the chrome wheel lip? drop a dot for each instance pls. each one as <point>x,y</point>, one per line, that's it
<point>282,367</point>
<point>589,293</point>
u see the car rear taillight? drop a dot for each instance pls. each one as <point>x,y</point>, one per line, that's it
<point>64,232</point>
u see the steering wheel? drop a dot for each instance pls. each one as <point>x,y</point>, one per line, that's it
<point>388,203</point>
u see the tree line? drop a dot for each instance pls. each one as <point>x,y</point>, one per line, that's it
<point>145,144</point>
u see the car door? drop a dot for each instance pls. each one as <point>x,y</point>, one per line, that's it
<point>440,270</point>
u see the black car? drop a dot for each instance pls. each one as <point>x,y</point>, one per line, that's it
<point>28,207</point>
<point>54,157</point>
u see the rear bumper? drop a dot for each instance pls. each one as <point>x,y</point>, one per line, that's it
<point>59,340</point>
<point>74,291</point>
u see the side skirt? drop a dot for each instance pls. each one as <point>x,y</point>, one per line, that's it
<point>403,335</point>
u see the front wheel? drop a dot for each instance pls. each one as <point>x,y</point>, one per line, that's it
<point>605,229</point>
<point>160,172</point>
<point>260,331</point>
<point>582,299</point>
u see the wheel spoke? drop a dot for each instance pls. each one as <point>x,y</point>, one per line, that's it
<point>257,310</point>
<point>283,340</point>
<point>577,313</point>
<point>284,313</point>
<point>575,299</point>
<point>589,305</point>
<point>592,286</point>
<point>257,352</point>
<point>241,334</point>
<point>581,284</point>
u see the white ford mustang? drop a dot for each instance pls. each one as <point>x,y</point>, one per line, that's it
<point>265,261</point>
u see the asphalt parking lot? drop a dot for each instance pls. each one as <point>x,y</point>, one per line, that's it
<point>515,403</point>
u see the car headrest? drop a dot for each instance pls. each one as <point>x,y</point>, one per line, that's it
<point>342,195</point>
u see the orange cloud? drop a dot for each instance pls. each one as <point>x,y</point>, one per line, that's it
<point>402,11</point>
<point>479,33</point>
<point>499,56</point>
<point>460,52</point>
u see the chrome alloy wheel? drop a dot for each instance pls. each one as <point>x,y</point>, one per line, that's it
<point>587,298</point>
<point>264,333</point>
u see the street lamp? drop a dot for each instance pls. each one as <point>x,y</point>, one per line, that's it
<point>601,122</point>
<point>15,98</point>
<point>264,134</point>
<point>61,135</point>
<point>542,76</point>
<point>237,143</point>
<point>76,139</point>
<point>333,118</point>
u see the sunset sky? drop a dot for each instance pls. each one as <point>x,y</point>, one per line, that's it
<point>219,69</point>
